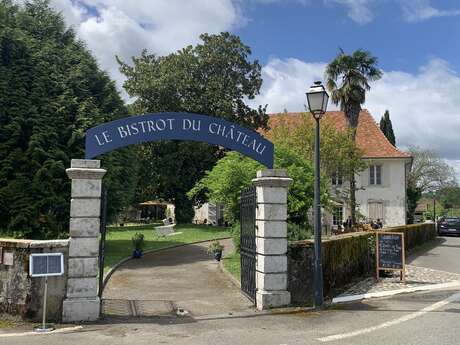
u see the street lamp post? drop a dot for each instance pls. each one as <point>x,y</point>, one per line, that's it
<point>317,99</point>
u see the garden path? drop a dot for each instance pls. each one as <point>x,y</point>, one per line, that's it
<point>168,281</point>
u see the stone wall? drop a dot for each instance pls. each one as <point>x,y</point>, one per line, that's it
<point>415,234</point>
<point>345,258</point>
<point>22,295</point>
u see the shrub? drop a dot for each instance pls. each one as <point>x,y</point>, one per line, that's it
<point>297,232</point>
<point>236,236</point>
<point>138,241</point>
<point>215,246</point>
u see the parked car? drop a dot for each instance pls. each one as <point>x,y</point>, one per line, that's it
<point>449,225</point>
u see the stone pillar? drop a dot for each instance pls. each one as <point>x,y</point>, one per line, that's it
<point>271,239</point>
<point>82,302</point>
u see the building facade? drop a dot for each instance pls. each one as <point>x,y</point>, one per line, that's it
<point>381,187</point>
<point>209,213</point>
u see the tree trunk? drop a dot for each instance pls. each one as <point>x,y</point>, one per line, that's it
<point>353,198</point>
<point>352,115</point>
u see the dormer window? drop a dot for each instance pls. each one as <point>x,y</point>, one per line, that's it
<point>336,178</point>
<point>375,175</point>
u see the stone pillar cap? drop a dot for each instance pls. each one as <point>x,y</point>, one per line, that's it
<point>85,173</point>
<point>85,163</point>
<point>272,173</point>
<point>272,178</point>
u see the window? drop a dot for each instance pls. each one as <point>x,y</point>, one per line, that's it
<point>375,210</point>
<point>336,178</point>
<point>337,216</point>
<point>375,175</point>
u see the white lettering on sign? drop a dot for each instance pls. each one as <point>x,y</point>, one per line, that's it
<point>194,125</point>
<point>105,138</point>
<point>236,136</point>
<point>187,124</point>
<point>142,127</point>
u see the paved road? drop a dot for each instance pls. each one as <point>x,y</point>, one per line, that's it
<point>443,255</point>
<point>411,319</point>
<point>179,278</point>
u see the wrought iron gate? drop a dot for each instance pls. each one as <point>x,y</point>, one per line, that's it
<point>248,204</point>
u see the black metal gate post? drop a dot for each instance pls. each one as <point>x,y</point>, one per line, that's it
<point>103,229</point>
<point>248,204</point>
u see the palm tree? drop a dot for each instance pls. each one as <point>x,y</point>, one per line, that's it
<point>347,79</point>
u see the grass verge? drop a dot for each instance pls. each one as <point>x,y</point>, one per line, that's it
<point>233,265</point>
<point>118,241</point>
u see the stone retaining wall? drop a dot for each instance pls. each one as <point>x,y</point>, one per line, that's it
<point>22,295</point>
<point>415,234</point>
<point>345,258</point>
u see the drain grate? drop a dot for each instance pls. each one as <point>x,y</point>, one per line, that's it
<point>126,307</point>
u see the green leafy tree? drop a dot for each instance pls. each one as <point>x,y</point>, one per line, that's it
<point>234,172</point>
<point>449,197</point>
<point>339,152</point>
<point>51,92</point>
<point>213,78</point>
<point>348,78</point>
<point>387,127</point>
<point>429,173</point>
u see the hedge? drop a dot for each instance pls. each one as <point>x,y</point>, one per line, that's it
<point>415,234</point>
<point>345,258</point>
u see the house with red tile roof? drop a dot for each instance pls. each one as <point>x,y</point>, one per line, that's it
<point>381,187</point>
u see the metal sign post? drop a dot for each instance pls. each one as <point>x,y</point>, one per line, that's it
<point>45,265</point>
<point>44,327</point>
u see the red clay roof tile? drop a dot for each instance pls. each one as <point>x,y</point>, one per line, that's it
<point>368,135</point>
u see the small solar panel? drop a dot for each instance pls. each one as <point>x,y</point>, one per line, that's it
<point>47,264</point>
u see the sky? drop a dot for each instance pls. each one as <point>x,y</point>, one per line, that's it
<point>417,43</point>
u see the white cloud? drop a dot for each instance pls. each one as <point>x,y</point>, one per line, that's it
<point>285,84</point>
<point>72,12</point>
<point>124,28</point>
<point>419,10</point>
<point>358,10</point>
<point>423,106</point>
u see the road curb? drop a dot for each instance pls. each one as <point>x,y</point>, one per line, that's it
<point>352,298</point>
<point>58,330</point>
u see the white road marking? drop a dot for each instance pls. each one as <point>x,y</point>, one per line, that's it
<point>437,305</point>
<point>59,330</point>
<point>351,298</point>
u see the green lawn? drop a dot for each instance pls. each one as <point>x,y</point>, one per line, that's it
<point>119,245</point>
<point>232,264</point>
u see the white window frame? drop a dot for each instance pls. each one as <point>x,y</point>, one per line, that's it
<point>335,220</point>
<point>376,206</point>
<point>375,175</point>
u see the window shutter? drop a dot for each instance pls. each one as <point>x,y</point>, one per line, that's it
<point>378,174</point>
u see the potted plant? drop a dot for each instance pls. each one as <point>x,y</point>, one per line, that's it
<point>215,249</point>
<point>138,244</point>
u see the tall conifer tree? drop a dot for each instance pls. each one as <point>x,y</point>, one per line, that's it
<point>387,127</point>
<point>51,92</point>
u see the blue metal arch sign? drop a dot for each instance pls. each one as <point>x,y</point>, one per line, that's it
<point>178,126</point>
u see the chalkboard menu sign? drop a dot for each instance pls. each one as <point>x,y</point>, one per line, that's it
<point>390,252</point>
